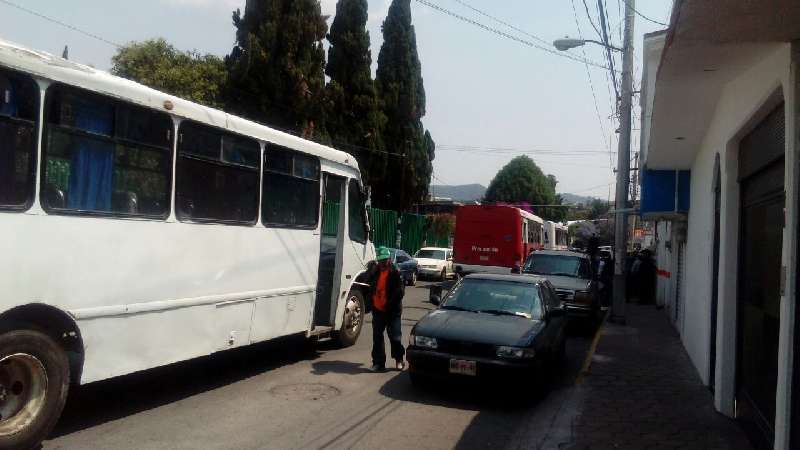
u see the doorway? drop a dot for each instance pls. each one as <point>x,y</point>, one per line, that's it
<point>330,250</point>
<point>761,171</point>
<point>712,344</point>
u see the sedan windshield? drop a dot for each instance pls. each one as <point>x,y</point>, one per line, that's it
<point>495,297</point>
<point>563,265</point>
<point>430,254</point>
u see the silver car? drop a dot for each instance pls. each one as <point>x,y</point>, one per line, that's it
<point>571,274</point>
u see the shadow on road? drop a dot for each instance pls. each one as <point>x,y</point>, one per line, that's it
<point>109,400</point>
<point>500,411</point>
<point>341,367</point>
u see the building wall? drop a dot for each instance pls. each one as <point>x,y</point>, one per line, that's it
<point>743,102</point>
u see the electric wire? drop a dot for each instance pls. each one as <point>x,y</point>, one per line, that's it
<point>500,21</point>
<point>627,2</point>
<point>591,87</point>
<point>506,35</point>
<point>63,24</point>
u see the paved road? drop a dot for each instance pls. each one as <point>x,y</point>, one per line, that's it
<point>288,394</point>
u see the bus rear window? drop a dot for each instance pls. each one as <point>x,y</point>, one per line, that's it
<point>19,111</point>
<point>103,156</point>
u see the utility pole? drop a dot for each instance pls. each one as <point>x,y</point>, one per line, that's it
<point>623,169</point>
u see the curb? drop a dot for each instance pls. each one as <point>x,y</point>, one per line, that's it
<point>587,363</point>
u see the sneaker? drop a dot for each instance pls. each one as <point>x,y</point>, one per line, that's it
<point>401,365</point>
<point>377,368</point>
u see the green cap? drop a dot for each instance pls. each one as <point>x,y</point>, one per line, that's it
<point>382,253</point>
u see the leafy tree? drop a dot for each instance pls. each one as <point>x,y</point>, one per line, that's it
<point>276,69</point>
<point>521,181</point>
<point>402,93</point>
<point>161,66</point>
<point>355,119</point>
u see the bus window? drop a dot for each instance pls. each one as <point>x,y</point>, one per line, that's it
<point>357,218</point>
<point>19,111</point>
<point>217,175</point>
<point>291,189</point>
<point>105,156</point>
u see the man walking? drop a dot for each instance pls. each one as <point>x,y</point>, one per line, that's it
<point>387,290</point>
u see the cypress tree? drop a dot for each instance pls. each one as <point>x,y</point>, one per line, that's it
<point>400,86</point>
<point>354,120</point>
<point>276,69</point>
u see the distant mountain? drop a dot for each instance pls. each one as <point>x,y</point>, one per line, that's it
<point>576,199</point>
<point>463,192</point>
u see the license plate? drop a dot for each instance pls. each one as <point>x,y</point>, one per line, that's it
<point>462,367</point>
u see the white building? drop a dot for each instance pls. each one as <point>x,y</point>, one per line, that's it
<point>720,147</point>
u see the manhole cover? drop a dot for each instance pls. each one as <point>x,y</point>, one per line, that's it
<point>305,391</point>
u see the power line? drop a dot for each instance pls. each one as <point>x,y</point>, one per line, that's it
<point>601,9</point>
<point>485,14</point>
<point>506,35</point>
<point>504,150</point>
<point>643,16</point>
<point>589,16</point>
<point>591,86</point>
<point>63,24</point>
<point>591,188</point>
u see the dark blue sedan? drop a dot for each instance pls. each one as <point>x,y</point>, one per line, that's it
<point>405,264</point>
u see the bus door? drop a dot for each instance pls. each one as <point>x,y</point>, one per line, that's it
<point>330,250</point>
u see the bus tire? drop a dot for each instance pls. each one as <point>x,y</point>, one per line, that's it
<point>34,382</point>
<point>353,322</point>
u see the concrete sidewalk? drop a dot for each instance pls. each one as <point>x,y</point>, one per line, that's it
<point>643,392</point>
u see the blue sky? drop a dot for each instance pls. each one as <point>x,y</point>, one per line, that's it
<point>484,91</point>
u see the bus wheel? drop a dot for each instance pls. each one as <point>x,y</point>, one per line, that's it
<point>34,381</point>
<point>353,320</point>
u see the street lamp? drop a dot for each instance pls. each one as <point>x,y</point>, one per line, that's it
<point>568,43</point>
<point>623,154</point>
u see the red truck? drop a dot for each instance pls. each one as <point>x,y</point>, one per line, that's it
<point>494,238</point>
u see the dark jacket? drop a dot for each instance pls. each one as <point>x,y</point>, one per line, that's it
<point>395,288</point>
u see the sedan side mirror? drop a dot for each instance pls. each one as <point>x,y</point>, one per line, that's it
<point>435,300</point>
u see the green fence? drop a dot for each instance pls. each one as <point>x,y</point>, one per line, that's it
<point>433,240</point>
<point>384,227</point>
<point>412,232</point>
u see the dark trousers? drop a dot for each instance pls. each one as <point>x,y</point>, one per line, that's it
<point>392,324</point>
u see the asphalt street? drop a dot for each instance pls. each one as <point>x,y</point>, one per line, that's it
<point>293,394</point>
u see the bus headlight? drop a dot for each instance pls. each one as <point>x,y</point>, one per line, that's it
<point>515,352</point>
<point>424,342</point>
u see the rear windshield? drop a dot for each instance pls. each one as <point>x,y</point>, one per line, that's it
<point>495,296</point>
<point>559,265</point>
<point>430,254</point>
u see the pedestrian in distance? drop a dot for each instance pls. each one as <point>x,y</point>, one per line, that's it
<point>387,290</point>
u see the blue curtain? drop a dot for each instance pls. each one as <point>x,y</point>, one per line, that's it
<point>91,180</point>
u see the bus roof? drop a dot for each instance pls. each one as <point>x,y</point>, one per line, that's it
<point>57,69</point>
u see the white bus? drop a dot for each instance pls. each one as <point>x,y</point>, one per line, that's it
<point>138,229</point>
<point>556,236</point>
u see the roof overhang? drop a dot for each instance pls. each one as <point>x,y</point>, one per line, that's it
<point>708,44</point>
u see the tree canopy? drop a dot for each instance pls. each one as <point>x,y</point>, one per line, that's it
<point>400,86</point>
<point>522,181</point>
<point>276,69</point>
<point>355,120</point>
<point>159,65</point>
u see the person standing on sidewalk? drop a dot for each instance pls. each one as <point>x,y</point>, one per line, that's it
<point>387,289</point>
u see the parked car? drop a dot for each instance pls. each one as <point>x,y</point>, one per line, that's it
<point>571,274</point>
<point>505,328</point>
<point>435,262</point>
<point>405,264</point>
